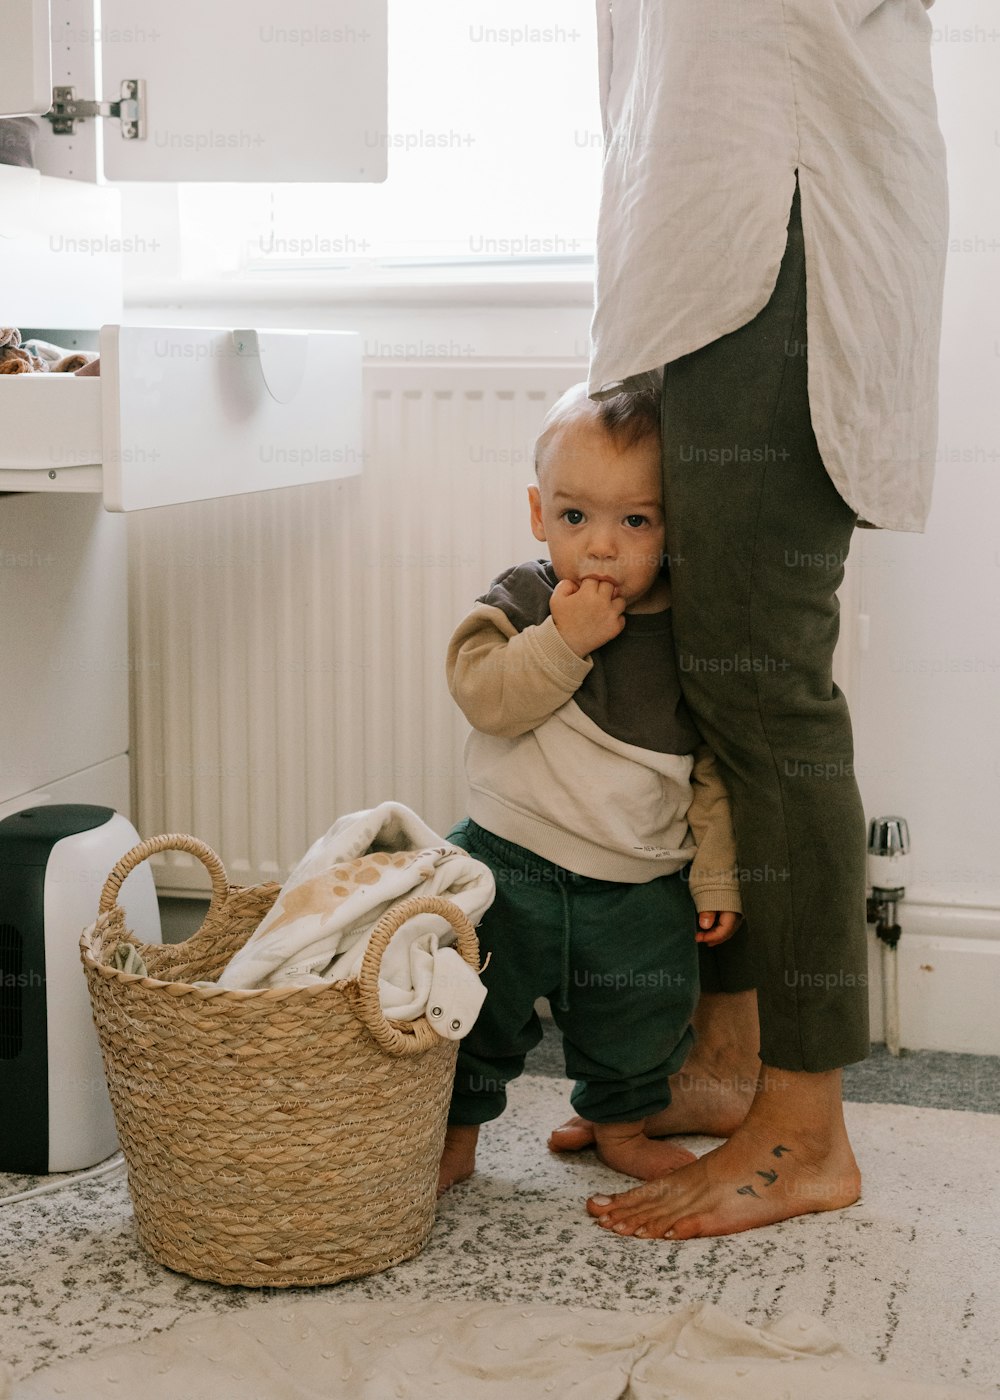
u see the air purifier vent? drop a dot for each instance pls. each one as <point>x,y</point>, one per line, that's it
<point>11,992</point>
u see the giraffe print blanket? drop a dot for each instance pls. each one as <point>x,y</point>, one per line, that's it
<point>318,927</point>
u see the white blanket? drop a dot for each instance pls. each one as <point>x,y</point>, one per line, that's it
<point>318,927</point>
<point>462,1349</point>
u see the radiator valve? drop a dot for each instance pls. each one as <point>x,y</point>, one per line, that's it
<point>888,867</point>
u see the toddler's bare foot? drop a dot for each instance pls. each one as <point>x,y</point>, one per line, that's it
<point>625,1148</point>
<point>458,1160</point>
<point>713,1090</point>
<point>708,1098</point>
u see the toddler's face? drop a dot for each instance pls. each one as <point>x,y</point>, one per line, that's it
<point>600,509</point>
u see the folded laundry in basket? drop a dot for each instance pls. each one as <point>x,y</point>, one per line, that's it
<point>319,925</point>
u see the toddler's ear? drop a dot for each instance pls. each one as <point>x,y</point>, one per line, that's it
<point>535,503</point>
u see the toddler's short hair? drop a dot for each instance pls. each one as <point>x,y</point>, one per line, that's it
<point>628,417</point>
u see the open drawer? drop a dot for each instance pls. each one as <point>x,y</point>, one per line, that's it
<point>187,413</point>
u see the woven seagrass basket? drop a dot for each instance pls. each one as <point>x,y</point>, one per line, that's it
<point>276,1136</point>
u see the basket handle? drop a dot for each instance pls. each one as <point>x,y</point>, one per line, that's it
<point>419,1035</point>
<point>173,842</point>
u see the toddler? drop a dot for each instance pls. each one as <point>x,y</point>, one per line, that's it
<point>587,779</point>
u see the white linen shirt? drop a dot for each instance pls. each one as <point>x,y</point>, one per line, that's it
<point>709,108</point>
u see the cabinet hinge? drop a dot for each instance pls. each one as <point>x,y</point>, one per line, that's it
<point>130,109</point>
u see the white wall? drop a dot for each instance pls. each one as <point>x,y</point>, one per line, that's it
<point>928,714</point>
<point>927,708</point>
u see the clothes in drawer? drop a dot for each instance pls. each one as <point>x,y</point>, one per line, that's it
<point>186,414</point>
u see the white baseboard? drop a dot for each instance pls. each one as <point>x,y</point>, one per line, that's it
<point>949,979</point>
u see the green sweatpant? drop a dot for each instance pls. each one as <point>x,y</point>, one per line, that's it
<point>757,536</point>
<point>618,963</point>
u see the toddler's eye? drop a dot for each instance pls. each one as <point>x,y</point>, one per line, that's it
<point>635,521</point>
<point>573,516</point>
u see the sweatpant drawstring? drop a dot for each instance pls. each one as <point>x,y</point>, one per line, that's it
<point>567,931</point>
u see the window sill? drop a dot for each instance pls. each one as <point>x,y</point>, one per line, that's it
<point>491,285</point>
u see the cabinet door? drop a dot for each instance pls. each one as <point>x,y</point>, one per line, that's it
<point>251,91</point>
<point>25,58</point>
<point>63,637</point>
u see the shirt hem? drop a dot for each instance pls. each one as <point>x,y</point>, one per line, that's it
<point>572,852</point>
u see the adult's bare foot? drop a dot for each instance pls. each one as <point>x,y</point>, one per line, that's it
<point>458,1160</point>
<point>790,1157</point>
<point>713,1090</point>
<point>625,1147</point>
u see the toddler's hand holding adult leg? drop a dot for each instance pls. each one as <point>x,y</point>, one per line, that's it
<point>715,927</point>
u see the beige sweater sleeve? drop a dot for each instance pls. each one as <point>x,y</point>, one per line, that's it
<point>506,682</point>
<point>714,876</point>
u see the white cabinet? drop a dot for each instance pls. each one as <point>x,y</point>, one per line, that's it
<point>253,91</point>
<point>232,93</point>
<point>66,658</point>
<point>248,92</point>
<point>185,414</point>
<point>25,56</point>
<point>177,414</point>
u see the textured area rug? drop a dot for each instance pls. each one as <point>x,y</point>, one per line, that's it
<point>909,1275</point>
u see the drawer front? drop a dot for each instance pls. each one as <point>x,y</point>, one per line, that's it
<point>50,422</point>
<point>191,413</point>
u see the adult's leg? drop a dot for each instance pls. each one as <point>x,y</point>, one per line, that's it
<point>757,536</point>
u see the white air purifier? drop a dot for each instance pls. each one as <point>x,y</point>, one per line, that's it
<point>55,1113</point>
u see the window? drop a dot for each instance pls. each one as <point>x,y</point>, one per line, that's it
<point>494,156</point>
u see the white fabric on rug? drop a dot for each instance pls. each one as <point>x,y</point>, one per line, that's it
<point>321,1347</point>
<point>319,925</point>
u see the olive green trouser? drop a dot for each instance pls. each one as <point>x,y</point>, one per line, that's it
<point>757,536</point>
<point>618,963</point>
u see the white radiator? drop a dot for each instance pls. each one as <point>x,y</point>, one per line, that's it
<point>288,648</point>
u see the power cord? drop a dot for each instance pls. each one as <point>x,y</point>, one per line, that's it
<point>111,1165</point>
